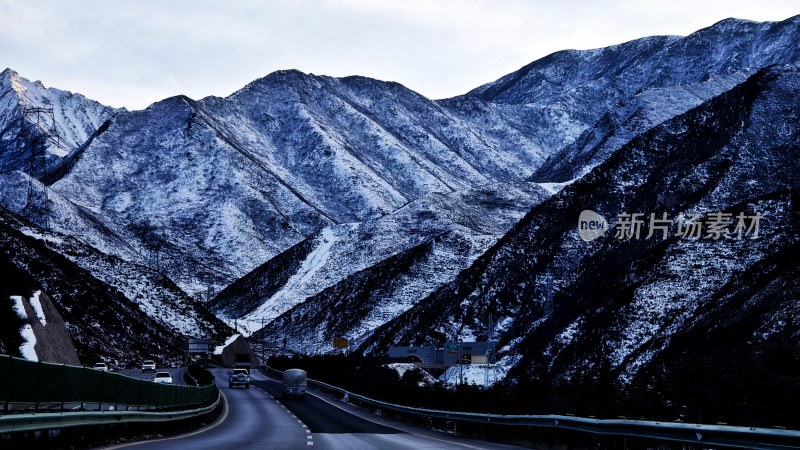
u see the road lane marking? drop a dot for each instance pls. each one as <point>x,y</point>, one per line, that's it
<point>368,419</point>
<point>412,433</point>
<point>219,422</point>
<point>308,432</point>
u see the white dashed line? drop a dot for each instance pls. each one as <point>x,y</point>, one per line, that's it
<point>309,437</point>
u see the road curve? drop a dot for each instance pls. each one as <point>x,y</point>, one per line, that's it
<point>257,418</point>
<point>177,374</point>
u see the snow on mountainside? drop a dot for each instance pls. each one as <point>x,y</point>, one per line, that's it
<point>628,119</point>
<point>42,334</point>
<point>616,305</point>
<point>477,217</point>
<point>623,91</point>
<point>114,321</point>
<point>86,225</point>
<point>574,95</point>
<point>218,186</point>
<point>349,202</point>
<point>76,119</point>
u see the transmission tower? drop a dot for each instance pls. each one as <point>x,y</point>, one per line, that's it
<point>490,375</point>
<point>38,127</point>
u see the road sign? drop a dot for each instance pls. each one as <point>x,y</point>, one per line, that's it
<point>198,345</point>
<point>452,349</point>
<point>340,343</point>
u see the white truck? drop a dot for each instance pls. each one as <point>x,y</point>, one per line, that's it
<point>295,382</point>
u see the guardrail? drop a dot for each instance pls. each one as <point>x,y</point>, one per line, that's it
<point>29,386</point>
<point>14,423</point>
<point>693,434</point>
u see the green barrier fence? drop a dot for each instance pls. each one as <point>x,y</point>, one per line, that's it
<point>29,386</point>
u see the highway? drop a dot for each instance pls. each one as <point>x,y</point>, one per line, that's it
<point>177,374</point>
<point>257,418</point>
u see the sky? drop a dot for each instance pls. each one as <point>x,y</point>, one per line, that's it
<point>131,53</point>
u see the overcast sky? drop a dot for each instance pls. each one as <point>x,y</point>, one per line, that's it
<point>134,52</point>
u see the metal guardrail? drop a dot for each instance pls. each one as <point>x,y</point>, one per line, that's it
<point>47,421</point>
<point>37,395</point>
<point>697,434</point>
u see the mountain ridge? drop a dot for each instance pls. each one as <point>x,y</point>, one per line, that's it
<point>311,187</point>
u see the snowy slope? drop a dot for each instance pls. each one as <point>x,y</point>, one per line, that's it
<point>350,194</point>
<point>627,119</point>
<point>76,119</point>
<point>593,105</point>
<point>218,186</point>
<point>102,323</point>
<point>567,92</point>
<point>208,190</point>
<point>436,237</point>
<point>613,306</point>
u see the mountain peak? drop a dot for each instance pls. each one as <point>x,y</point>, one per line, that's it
<point>287,76</point>
<point>10,79</point>
<point>7,73</point>
<point>288,79</point>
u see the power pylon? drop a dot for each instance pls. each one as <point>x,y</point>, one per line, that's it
<point>38,127</point>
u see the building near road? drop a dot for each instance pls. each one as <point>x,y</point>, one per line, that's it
<point>447,355</point>
<point>235,352</point>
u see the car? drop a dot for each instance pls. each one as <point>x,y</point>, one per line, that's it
<point>101,366</point>
<point>240,377</point>
<point>148,366</point>
<point>162,378</point>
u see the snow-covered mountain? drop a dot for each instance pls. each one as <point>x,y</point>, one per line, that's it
<point>451,229</point>
<point>589,103</point>
<point>343,204</point>
<point>22,110</point>
<point>218,186</point>
<point>565,307</point>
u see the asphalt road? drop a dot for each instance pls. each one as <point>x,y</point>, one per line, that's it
<point>177,374</point>
<point>257,418</point>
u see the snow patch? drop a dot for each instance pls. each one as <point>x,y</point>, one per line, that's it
<point>37,307</point>
<point>402,368</point>
<point>285,298</point>
<point>41,236</point>
<point>555,188</point>
<point>27,349</point>
<point>478,374</point>
<point>220,348</point>
<point>19,307</point>
<point>26,331</point>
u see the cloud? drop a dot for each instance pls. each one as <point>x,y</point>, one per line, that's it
<point>135,52</point>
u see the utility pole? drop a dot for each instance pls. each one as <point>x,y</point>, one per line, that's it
<point>460,363</point>
<point>489,352</point>
<point>264,341</point>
